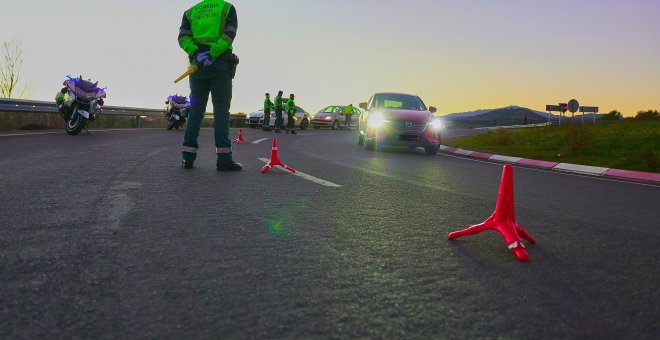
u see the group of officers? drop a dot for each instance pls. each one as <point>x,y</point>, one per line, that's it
<point>278,106</point>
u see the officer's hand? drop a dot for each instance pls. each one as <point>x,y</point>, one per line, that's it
<point>204,59</point>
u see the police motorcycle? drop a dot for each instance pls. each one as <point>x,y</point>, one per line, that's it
<point>176,111</point>
<point>79,102</point>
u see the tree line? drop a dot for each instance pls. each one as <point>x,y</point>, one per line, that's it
<point>641,115</point>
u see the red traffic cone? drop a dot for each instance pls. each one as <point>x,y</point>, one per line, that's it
<point>503,220</point>
<point>275,160</point>
<point>240,139</point>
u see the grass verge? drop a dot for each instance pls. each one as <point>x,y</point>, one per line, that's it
<point>629,145</point>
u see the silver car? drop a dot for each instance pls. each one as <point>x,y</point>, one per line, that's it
<point>256,119</point>
<point>333,118</point>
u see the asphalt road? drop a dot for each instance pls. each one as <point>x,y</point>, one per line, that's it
<point>105,236</point>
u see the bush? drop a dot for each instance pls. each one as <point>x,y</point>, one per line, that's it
<point>647,115</point>
<point>612,115</point>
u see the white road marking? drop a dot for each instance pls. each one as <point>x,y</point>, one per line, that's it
<point>64,132</point>
<point>306,176</point>
<point>260,140</point>
<point>31,134</point>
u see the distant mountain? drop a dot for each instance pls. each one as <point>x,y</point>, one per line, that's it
<point>510,115</point>
<point>484,111</point>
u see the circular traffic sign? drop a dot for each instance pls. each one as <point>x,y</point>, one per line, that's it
<point>573,106</point>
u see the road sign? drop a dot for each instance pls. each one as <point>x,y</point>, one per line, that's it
<point>573,106</point>
<point>564,107</point>
<point>553,108</point>
<point>589,109</point>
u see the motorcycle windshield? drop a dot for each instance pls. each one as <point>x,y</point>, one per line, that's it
<point>84,89</point>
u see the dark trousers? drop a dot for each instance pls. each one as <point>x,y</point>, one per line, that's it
<point>292,122</point>
<point>216,80</point>
<point>266,118</point>
<point>279,118</point>
<point>347,122</point>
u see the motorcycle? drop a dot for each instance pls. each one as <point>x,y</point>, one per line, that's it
<point>176,110</point>
<point>78,102</point>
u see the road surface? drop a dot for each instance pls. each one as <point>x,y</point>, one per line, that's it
<point>105,236</point>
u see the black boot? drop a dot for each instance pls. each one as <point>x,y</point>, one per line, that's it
<point>293,132</point>
<point>187,164</point>
<point>229,166</point>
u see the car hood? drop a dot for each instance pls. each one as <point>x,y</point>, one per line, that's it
<point>256,114</point>
<point>411,115</point>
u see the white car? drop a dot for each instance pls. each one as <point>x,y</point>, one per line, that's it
<point>256,119</point>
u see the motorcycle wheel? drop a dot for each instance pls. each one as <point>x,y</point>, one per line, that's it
<point>77,122</point>
<point>170,124</point>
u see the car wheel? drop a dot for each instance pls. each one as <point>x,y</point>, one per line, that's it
<point>369,144</point>
<point>335,125</point>
<point>431,149</point>
<point>317,127</point>
<point>360,139</point>
<point>254,126</point>
<point>304,124</point>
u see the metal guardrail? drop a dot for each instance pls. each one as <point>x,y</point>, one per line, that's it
<point>35,106</point>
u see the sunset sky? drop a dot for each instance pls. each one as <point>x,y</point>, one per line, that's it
<point>458,55</point>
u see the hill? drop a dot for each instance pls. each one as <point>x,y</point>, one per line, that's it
<point>510,115</point>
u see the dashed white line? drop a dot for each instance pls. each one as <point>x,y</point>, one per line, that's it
<point>260,140</point>
<point>307,177</point>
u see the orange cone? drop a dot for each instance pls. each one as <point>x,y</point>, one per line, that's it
<point>503,220</point>
<point>275,160</point>
<point>240,139</point>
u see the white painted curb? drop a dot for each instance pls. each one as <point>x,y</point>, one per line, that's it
<point>464,152</point>
<point>505,159</point>
<point>582,169</point>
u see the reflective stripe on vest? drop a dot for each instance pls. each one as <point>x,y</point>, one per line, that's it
<point>222,150</point>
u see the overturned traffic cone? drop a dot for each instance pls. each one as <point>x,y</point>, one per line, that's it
<point>503,220</point>
<point>275,160</point>
<point>240,139</point>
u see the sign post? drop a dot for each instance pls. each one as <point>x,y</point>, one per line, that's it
<point>574,106</point>
<point>590,109</point>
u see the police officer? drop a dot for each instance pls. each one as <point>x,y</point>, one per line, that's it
<point>207,32</point>
<point>267,106</point>
<point>348,115</point>
<point>279,119</point>
<point>291,112</point>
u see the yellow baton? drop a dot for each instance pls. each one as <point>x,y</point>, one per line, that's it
<point>192,69</point>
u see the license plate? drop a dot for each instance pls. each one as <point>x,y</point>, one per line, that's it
<point>407,136</point>
<point>175,117</point>
<point>84,113</point>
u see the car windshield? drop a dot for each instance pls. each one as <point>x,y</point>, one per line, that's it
<point>399,101</point>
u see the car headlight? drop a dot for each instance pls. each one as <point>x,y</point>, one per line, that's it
<point>437,124</point>
<point>328,118</point>
<point>377,120</point>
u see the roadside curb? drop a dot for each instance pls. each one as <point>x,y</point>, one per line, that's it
<point>636,176</point>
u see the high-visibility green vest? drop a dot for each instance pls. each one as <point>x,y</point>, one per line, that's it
<point>291,105</point>
<point>208,20</point>
<point>348,110</point>
<point>278,102</point>
<point>268,104</point>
